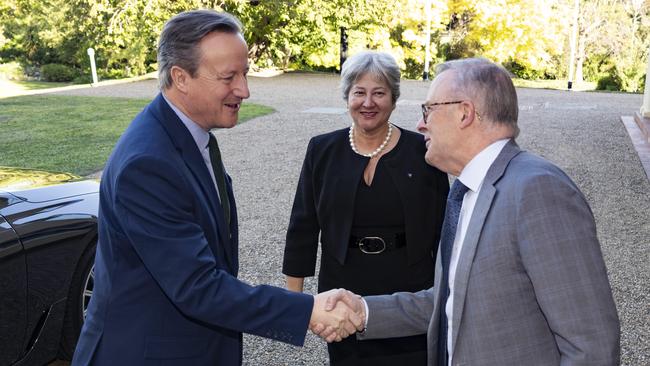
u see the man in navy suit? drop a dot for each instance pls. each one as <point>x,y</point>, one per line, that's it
<point>166,288</point>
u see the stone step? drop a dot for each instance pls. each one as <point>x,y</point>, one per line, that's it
<point>644,125</point>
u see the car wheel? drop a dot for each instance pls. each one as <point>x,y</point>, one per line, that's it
<point>81,289</point>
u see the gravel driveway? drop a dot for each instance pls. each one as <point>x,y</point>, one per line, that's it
<point>579,131</point>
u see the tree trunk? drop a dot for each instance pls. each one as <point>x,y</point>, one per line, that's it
<point>581,58</point>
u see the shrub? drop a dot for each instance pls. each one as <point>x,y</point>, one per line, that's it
<point>631,76</point>
<point>608,82</point>
<point>11,71</point>
<point>57,72</point>
<point>642,83</point>
<point>83,79</point>
<point>523,71</point>
<point>627,78</point>
<point>413,69</point>
<point>597,66</point>
<point>111,74</point>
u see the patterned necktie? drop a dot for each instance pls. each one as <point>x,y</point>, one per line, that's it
<point>220,177</point>
<point>452,213</point>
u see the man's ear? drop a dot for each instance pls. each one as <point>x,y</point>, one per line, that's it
<point>180,78</point>
<point>467,116</point>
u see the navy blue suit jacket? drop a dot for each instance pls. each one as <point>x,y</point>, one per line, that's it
<point>166,291</point>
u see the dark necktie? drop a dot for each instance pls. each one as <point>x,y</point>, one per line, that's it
<point>220,177</point>
<point>452,213</point>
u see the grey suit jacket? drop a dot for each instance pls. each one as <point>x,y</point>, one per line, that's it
<point>531,285</point>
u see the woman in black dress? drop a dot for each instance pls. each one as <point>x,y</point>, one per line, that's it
<point>376,204</point>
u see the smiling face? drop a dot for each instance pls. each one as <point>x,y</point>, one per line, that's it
<point>370,103</point>
<point>212,97</point>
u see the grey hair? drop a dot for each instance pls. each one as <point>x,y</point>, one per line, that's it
<point>180,37</point>
<point>489,86</point>
<point>380,65</point>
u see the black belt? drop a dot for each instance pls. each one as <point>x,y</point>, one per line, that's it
<point>376,244</point>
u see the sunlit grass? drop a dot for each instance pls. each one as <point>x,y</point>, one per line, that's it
<point>69,133</point>
<point>554,84</point>
<point>14,87</point>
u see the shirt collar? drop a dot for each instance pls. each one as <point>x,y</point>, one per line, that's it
<point>475,171</point>
<point>201,137</point>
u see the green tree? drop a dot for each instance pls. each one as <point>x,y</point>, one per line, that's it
<point>33,29</point>
<point>613,43</point>
<point>122,32</point>
<point>529,37</point>
<point>522,32</point>
<point>306,32</point>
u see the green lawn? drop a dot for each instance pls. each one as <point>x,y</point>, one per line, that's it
<point>10,88</point>
<point>70,134</point>
<point>553,84</point>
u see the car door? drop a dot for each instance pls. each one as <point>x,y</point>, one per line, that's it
<point>13,293</point>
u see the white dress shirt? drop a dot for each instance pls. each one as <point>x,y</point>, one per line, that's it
<point>472,177</point>
<point>201,138</point>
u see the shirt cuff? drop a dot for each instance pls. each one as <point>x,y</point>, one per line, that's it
<point>365,323</point>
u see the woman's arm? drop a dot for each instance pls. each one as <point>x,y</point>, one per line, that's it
<point>301,246</point>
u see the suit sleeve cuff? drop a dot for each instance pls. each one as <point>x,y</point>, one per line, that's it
<point>365,321</point>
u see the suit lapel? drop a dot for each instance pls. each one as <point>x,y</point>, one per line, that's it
<point>196,164</point>
<point>185,144</point>
<point>474,229</point>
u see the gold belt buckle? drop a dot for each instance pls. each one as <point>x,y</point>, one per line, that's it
<point>372,245</point>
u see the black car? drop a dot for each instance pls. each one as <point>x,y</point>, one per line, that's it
<point>48,235</point>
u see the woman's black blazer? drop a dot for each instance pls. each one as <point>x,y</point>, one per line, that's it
<point>324,201</point>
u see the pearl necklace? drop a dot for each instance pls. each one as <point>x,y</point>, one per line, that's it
<point>377,150</point>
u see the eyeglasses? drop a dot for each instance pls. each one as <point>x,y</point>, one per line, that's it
<point>426,108</point>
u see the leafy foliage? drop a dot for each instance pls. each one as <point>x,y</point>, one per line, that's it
<point>57,72</point>
<point>11,71</point>
<point>528,36</point>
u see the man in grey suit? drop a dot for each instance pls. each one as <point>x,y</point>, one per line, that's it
<point>520,278</point>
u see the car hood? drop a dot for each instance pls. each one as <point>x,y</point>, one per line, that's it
<point>40,185</point>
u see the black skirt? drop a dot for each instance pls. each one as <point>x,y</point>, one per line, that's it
<point>384,273</point>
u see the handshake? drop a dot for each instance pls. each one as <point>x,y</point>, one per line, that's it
<point>337,314</point>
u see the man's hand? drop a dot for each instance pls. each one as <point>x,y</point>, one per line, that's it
<point>337,314</point>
